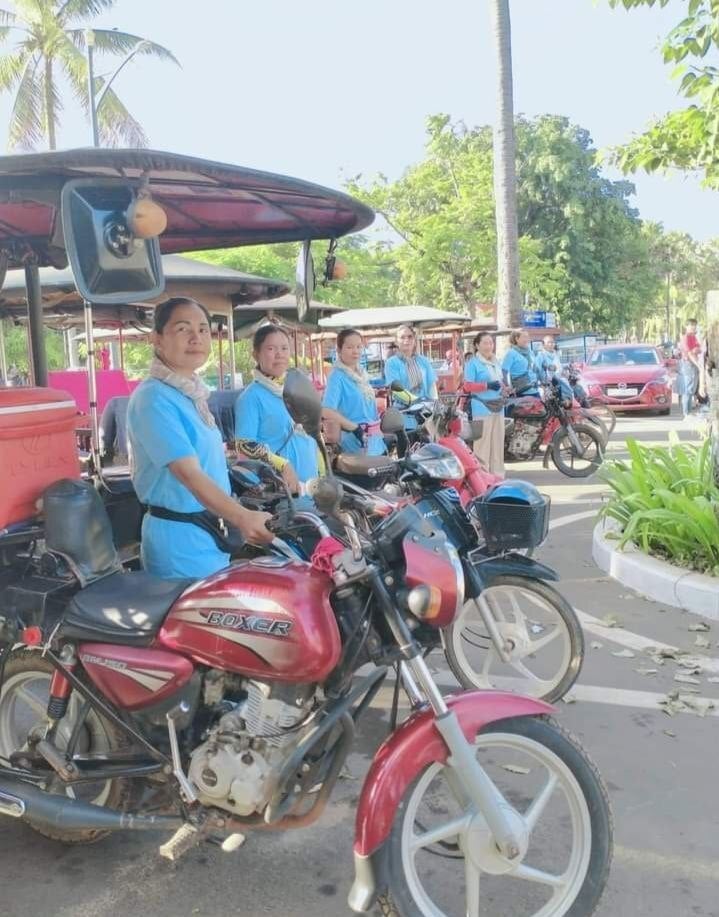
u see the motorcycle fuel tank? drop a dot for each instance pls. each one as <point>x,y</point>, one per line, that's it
<point>267,618</point>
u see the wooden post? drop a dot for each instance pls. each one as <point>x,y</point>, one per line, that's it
<point>712,370</point>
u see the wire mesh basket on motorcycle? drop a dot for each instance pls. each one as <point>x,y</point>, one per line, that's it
<point>512,525</point>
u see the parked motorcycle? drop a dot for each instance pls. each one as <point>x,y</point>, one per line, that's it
<point>593,408</point>
<point>514,629</point>
<point>230,704</point>
<point>577,449</point>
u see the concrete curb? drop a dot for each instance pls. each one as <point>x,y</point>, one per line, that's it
<point>655,579</point>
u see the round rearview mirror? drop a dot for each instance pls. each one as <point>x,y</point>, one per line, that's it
<point>392,421</point>
<point>303,402</point>
<point>304,280</point>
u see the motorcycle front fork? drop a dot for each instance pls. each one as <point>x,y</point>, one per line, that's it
<point>467,773</point>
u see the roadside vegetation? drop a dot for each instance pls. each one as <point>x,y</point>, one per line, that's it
<point>666,502</point>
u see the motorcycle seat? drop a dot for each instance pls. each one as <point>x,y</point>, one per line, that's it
<point>126,608</point>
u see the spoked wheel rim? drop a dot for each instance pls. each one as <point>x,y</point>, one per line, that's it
<point>579,464</point>
<point>487,877</point>
<point>528,619</point>
<point>23,704</point>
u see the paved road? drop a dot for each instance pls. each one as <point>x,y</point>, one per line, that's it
<point>663,787</point>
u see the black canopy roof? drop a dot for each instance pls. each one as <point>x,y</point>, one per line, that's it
<point>208,204</point>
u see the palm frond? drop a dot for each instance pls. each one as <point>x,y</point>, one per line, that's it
<point>117,126</point>
<point>111,41</point>
<point>11,68</point>
<point>71,10</point>
<point>26,121</point>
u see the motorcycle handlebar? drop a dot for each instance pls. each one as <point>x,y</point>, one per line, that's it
<point>283,521</point>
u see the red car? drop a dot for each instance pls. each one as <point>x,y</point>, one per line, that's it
<point>628,377</point>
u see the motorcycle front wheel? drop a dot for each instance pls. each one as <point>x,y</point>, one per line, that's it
<point>571,461</point>
<point>540,629</point>
<point>441,861</point>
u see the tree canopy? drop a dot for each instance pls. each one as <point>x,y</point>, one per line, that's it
<point>688,138</point>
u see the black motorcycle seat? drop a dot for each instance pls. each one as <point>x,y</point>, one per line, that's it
<point>126,608</point>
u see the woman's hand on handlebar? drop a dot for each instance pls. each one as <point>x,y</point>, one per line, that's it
<point>253,525</point>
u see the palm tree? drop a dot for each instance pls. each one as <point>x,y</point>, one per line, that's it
<point>509,306</point>
<point>51,41</point>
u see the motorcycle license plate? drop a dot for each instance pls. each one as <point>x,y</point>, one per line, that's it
<point>622,392</point>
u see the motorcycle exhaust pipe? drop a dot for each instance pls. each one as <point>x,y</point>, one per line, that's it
<point>23,800</point>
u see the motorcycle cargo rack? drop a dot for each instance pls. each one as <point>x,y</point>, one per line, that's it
<point>512,526</point>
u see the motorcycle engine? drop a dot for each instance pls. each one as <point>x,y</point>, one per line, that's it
<point>236,767</point>
<point>523,438</point>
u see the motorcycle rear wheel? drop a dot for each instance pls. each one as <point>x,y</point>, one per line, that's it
<point>23,702</point>
<point>523,609</point>
<point>554,763</point>
<point>568,461</point>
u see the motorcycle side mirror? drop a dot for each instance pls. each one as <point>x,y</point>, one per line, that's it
<point>397,386</point>
<point>392,421</point>
<point>303,402</point>
<point>327,493</point>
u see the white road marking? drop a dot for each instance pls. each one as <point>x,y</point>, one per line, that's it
<point>625,697</point>
<point>666,865</point>
<point>568,520</point>
<point>636,641</point>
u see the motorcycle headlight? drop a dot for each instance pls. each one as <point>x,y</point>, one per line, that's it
<point>425,601</point>
<point>448,467</point>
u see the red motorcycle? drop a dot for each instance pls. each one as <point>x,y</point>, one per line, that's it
<point>550,424</point>
<point>216,707</point>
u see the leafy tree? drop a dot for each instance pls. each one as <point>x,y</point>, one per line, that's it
<point>581,244</point>
<point>687,138</point>
<point>51,42</point>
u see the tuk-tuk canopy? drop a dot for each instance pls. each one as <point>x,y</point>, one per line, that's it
<point>417,316</point>
<point>217,287</point>
<point>208,204</point>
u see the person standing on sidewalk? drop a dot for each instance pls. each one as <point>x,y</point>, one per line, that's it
<point>483,381</point>
<point>690,369</point>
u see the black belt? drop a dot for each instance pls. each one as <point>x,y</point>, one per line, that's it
<point>227,538</point>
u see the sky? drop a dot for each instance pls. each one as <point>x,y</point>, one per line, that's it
<point>327,89</point>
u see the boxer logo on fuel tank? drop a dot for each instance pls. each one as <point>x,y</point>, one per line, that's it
<point>253,624</point>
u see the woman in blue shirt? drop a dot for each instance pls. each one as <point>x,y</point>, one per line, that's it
<point>263,426</point>
<point>412,370</point>
<point>483,380</point>
<point>518,366</point>
<point>178,458</point>
<point>350,394</point>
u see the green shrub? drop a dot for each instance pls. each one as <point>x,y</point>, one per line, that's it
<point>666,502</point>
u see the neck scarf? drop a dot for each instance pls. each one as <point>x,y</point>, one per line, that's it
<point>416,379</point>
<point>192,386</point>
<point>359,377</point>
<point>526,352</point>
<point>271,383</point>
<point>492,365</point>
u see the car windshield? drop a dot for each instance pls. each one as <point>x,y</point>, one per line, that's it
<point>627,356</point>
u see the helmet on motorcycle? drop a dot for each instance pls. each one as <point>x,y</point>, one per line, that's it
<point>514,492</point>
<point>513,515</point>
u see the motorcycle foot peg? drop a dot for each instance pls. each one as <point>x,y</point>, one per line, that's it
<point>185,838</point>
<point>233,842</point>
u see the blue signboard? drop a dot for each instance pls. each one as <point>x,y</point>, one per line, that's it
<point>534,318</point>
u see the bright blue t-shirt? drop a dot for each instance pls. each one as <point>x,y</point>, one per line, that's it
<point>345,395</point>
<point>516,365</point>
<point>261,416</point>
<point>396,370</point>
<point>548,364</point>
<point>164,425</point>
<point>477,370</point>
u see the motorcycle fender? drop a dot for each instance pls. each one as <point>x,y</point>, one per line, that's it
<point>415,745</point>
<point>513,565</point>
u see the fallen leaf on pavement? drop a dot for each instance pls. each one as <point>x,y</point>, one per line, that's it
<point>668,732</point>
<point>596,645</point>
<point>569,699</point>
<point>647,671</point>
<point>699,705</point>
<point>610,620</point>
<point>701,627</point>
<point>515,769</point>
<point>686,679</point>
<point>702,642</point>
<point>624,654</point>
